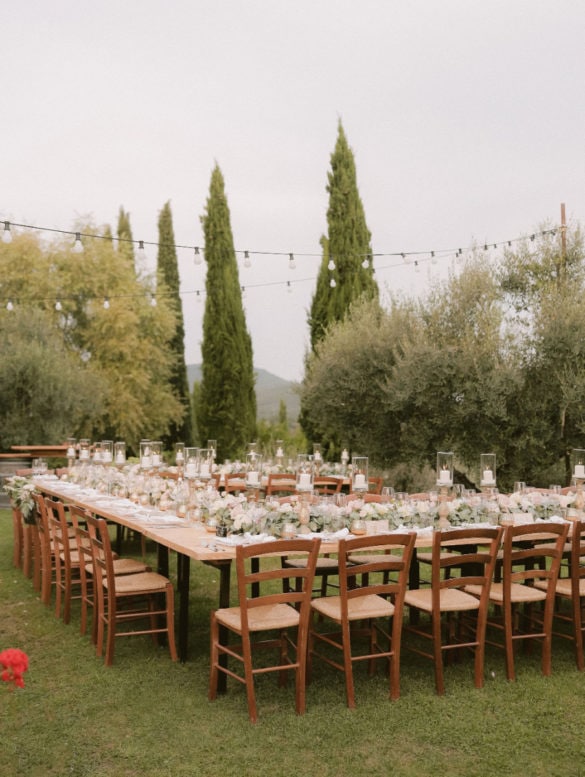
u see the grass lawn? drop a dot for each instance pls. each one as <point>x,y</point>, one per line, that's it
<point>149,717</point>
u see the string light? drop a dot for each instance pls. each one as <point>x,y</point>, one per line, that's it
<point>141,251</point>
<point>78,245</point>
<point>366,262</point>
<point>416,267</point>
<point>291,262</point>
<point>331,265</point>
<point>198,298</point>
<point>7,234</point>
<point>247,261</point>
<point>333,283</point>
<point>58,306</point>
<point>289,287</point>
<point>9,305</point>
<point>433,258</point>
<point>153,300</point>
<point>197,258</point>
<point>106,303</point>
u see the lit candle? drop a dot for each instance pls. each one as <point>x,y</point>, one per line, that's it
<point>317,456</point>
<point>156,460</point>
<point>359,481</point>
<point>204,470</point>
<point>119,457</point>
<point>279,453</point>
<point>345,455</point>
<point>579,471</point>
<point>70,453</point>
<point>488,477</point>
<point>445,477</point>
<point>84,454</point>
<point>180,458</point>
<point>107,457</point>
<point>253,478</point>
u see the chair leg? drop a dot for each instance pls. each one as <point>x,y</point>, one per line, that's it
<point>508,626</point>
<point>438,653</point>
<point>18,538</point>
<point>213,659</point>
<point>170,600</point>
<point>27,550</point>
<point>348,666</point>
<point>578,631</point>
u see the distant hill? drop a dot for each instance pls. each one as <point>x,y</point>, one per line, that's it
<point>270,390</point>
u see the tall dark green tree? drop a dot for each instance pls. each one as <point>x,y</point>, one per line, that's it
<point>346,274</point>
<point>169,283</point>
<point>124,233</point>
<point>227,400</point>
<point>347,244</point>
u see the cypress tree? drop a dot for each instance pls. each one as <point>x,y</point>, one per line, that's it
<point>125,240</point>
<point>347,244</point>
<point>227,399</point>
<point>168,278</point>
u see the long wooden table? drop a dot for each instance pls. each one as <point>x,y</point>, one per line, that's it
<point>188,541</point>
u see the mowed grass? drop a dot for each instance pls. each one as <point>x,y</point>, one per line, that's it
<point>147,716</point>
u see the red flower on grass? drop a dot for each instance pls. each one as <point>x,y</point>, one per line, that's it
<point>15,663</point>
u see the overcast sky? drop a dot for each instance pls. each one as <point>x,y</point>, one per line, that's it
<point>466,118</point>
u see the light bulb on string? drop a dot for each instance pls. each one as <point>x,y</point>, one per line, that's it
<point>58,306</point>
<point>247,261</point>
<point>197,258</point>
<point>78,245</point>
<point>9,305</point>
<point>106,303</point>
<point>243,290</point>
<point>141,251</point>
<point>198,297</point>
<point>289,287</point>
<point>153,300</point>
<point>416,267</point>
<point>333,283</point>
<point>331,265</point>
<point>291,262</point>
<point>366,262</point>
<point>433,258</point>
<point>7,234</point>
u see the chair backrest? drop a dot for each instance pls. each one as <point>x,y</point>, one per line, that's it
<point>324,484</point>
<point>235,484</point>
<point>59,531</point>
<point>79,518</point>
<point>375,485</point>
<point>367,497</point>
<point>101,548</point>
<point>383,574</point>
<point>532,552</point>
<point>268,583</point>
<point>281,483</point>
<point>475,559</point>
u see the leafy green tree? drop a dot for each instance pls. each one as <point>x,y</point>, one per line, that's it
<point>106,322</point>
<point>347,244</point>
<point>169,285</point>
<point>227,405</point>
<point>46,391</point>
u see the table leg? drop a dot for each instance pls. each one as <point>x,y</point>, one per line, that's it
<point>183,571</point>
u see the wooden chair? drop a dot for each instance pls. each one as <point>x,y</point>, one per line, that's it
<point>367,497</point>
<point>281,484</point>
<point>18,534</point>
<point>380,597</point>
<point>123,599</point>
<point>67,561</point>
<point>326,486</point>
<point>270,611</point>
<point>46,554</point>
<point>530,568</point>
<point>122,566</point>
<point>235,484</point>
<point>375,485</point>
<point>571,590</point>
<point>448,597</point>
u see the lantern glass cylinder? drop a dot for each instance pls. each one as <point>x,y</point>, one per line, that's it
<point>444,469</point>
